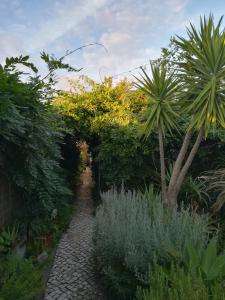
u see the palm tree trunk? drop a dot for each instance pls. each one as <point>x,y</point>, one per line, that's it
<point>173,193</point>
<point>177,167</point>
<point>179,161</point>
<point>162,166</point>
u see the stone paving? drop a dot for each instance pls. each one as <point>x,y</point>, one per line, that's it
<point>73,273</point>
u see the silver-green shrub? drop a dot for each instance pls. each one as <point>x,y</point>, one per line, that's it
<point>133,230</point>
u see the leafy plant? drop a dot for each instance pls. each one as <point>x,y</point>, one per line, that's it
<point>201,71</point>
<point>19,279</point>
<point>33,129</point>
<point>201,277</point>
<point>194,192</point>
<point>8,238</point>
<point>176,283</point>
<point>106,117</point>
<point>110,118</point>
<point>133,230</point>
<point>206,262</point>
<point>216,183</point>
<point>161,90</point>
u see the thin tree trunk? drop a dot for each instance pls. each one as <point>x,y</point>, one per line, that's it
<point>179,161</point>
<point>162,166</point>
<point>185,168</point>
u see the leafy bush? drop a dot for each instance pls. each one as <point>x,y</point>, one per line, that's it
<point>206,262</point>
<point>123,157</point>
<point>200,277</point>
<point>30,155</point>
<point>106,116</point>
<point>110,118</point>
<point>178,284</point>
<point>132,231</point>
<point>8,238</point>
<point>19,279</point>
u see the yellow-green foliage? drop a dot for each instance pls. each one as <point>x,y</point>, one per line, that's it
<point>107,115</point>
<point>91,106</point>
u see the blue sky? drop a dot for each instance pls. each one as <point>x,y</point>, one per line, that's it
<point>133,31</point>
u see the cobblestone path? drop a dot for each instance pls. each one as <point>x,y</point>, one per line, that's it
<point>73,272</point>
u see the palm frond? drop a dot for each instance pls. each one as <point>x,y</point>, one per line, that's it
<point>204,73</point>
<point>162,90</point>
<point>216,183</point>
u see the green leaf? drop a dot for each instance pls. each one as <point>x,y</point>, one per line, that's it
<point>162,90</point>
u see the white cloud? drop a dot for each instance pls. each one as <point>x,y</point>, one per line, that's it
<point>67,16</point>
<point>132,31</point>
<point>13,41</point>
<point>114,39</point>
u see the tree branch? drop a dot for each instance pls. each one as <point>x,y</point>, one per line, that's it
<point>179,161</point>
<point>162,165</point>
<point>189,160</point>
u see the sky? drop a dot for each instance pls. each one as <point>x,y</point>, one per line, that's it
<point>132,31</point>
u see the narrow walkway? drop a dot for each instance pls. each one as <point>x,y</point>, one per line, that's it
<point>73,273</point>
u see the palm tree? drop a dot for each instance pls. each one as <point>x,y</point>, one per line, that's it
<point>161,90</point>
<point>202,71</point>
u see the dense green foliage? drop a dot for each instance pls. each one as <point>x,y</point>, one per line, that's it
<point>203,73</point>
<point>34,162</point>
<point>206,262</point>
<point>178,283</point>
<point>19,280</point>
<point>106,117</point>
<point>161,91</point>
<point>196,89</point>
<point>30,156</point>
<point>184,91</point>
<point>133,230</point>
<point>167,251</point>
<point>201,276</point>
<point>110,118</point>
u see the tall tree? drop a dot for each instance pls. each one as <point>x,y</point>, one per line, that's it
<point>202,71</point>
<point>161,90</point>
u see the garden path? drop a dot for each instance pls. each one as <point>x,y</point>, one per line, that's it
<point>73,275</point>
